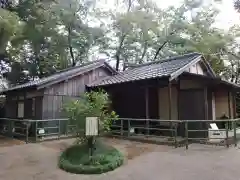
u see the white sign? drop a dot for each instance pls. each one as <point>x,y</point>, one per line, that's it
<point>132,130</point>
<point>41,131</point>
<point>214,126</point>
<point>91,126</point>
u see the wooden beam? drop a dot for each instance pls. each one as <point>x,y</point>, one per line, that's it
<point>170,100</point>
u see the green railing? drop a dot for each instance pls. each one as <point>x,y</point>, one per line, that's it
<point>174,132</point>
<point>228,134</point>
<point>36,130</point>
<point>177,132</point>
<point>156,130</point>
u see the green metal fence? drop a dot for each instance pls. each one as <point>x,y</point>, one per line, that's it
<point>36,130</point>
<point>172,132</point>
<point>177,132</point>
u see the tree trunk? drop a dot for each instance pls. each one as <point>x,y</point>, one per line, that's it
<point>119,51</point>
<point>70,47</point>
<point>144,52</point>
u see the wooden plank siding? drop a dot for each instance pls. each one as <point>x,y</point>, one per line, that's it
<point>59,94</point>
<point>13,98</point>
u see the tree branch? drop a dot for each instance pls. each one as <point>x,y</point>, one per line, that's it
<point>162,46</point>
<point>159,49</point>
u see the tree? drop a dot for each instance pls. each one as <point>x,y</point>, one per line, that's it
<point>92,104</point>
<point>38,50</point>
<point>73,16</point>
<point>147,33</point>
<point>237,5</point>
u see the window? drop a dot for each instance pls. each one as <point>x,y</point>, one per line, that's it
<point>20,110</point>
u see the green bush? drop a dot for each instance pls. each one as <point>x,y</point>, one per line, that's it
<point>76,159</point>
<point>92,104</point>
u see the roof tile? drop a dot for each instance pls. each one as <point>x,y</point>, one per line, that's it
<point>69,72</point>
<point>164,67</point>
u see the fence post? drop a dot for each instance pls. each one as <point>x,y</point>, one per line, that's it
<point>235,132</point>
<point>36,131</point>
<point>59,129</point>
<point>175,136</point>
<point>227,144</point>
<point>27,132</point>
<point>186,134</point>
<point>121,127</point>
<point>129,128</point>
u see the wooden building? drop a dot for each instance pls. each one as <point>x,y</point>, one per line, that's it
<point>44,98</point>
<point>178,88</point>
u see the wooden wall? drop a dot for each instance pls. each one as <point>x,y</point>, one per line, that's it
<point>163,97</point>
<point>222,104</point>
<point>55,96</point>
<point>13,98</point>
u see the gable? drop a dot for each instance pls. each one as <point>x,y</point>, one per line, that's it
<point>63,75</point>
<point>196,69</point>
<point>200,68</point>
<point>76,85</point>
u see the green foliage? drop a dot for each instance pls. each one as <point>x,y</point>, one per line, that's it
<point>92,104</point>
<point>10,28</point>
<point>237,5</point>
<point>76,159</point>
<point>42,37</point>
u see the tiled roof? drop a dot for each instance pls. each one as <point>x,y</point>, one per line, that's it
<point>64,74</point>
<point>161,68</point>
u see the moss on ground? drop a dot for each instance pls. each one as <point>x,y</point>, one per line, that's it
<point>76,159</point>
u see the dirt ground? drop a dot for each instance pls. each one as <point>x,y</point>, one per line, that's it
<point>130,149</point>
<point>145,162</point>
<point>4,141</point>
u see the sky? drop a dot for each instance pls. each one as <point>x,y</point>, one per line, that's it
<point>226,18</point>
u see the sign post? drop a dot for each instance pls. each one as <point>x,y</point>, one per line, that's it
<point>91,131</point>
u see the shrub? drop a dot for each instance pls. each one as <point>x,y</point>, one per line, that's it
<point>92,104</point>
<point>76,159</point>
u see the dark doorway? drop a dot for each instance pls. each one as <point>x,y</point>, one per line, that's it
<point>191,107</point>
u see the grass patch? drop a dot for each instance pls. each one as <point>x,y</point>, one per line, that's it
<point>76,159</point>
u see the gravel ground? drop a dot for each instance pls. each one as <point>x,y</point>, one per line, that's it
<point>144,162</point>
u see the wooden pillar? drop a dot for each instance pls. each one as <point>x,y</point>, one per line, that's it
<point>229,110</point>
<point>206,103</point>
<point>170,107</point>
<point>234,105</point>
<point>147,109</point>
<point>178,99</point>
<point>16,110</point>
<point>229,105</point>
<point>206,110</point>
<point>170,100</point>
<point>147,103</point>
